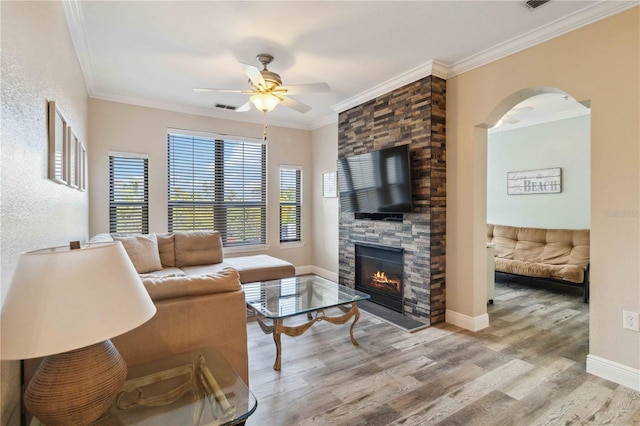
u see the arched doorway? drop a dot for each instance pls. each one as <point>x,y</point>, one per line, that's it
<point>550,104</point>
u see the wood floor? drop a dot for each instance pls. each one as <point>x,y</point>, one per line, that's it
<point>527,368</point>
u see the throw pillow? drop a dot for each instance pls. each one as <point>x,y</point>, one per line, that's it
<point>167,250</point>
<point>198,248</point>
<point>143,251</point>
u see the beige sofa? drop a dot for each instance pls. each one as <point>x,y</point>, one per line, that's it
<point>559,255</point>
<point>197,293</point>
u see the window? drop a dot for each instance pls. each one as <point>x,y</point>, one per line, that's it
<point>128,193</point>
<point>290,204</point>
<point>220,185</point>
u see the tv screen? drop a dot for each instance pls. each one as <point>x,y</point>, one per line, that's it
<point>376,182</point>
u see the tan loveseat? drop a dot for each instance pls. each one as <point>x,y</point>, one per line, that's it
<point>197,292</point>
<point>559,255</point>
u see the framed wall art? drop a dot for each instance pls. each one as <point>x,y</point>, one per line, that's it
<point>73,147</point>
<point>329,185</point>
<point>58,145</point>
<point>81,166</point>
<point>539,181</point>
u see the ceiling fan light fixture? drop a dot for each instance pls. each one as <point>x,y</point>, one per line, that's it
<point>265,101</point>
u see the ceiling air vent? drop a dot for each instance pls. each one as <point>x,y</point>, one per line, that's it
<point>223,106</point>
<point>534,4</point>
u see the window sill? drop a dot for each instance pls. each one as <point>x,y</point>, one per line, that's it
<point>294,244</point>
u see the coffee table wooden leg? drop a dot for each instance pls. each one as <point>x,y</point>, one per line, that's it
<point>277,331</point>
<point>356,316</point>
<point>350,312</point>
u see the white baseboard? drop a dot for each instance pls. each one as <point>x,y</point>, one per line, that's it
<point>304,270</point>
<point>465,321</point>
<point>614,371</point>
<point>312,269</point>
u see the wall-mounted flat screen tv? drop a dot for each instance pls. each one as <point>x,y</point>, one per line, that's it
<point>376,182</point>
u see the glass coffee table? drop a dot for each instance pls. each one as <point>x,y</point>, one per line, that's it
<point>279,299</point>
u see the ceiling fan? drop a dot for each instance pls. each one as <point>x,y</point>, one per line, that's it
<point>267,90</point>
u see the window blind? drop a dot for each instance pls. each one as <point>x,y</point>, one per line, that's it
<point>218,185</point>
<point>128,194</point>
<point>290,204</point>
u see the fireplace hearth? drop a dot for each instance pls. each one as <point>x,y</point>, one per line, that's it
<point>379,272</point>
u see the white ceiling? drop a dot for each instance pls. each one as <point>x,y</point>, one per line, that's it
<point>154,53</point>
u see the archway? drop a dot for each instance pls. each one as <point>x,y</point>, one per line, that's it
<point>481,139</point>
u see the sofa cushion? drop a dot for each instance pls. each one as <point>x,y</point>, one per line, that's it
<point>143,251</point>
<point>162,288</point>
<point>164,272</point>
<point>197,248</point>
<point>571,273</point>
<point>167,249</point>
<point>260,267</point>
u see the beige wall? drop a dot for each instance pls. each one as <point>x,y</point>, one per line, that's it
<point>128,128</point>
<point>601,64</point>
<point>38,64</point>
<point>324,155</point>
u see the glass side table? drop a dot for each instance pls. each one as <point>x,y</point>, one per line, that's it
<point>191,388</point>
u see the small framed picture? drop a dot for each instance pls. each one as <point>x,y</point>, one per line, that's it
<point>329,185</point>
<point>81,166</point>
<point>73,175</point>
<point>58,145</point>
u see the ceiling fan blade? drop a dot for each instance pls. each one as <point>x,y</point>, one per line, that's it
<point>297,89</point>
<point>254,75</point>
<point>205,89</point>
<point>293,104</point>
<point>510,120</point>
<point>244,107</point>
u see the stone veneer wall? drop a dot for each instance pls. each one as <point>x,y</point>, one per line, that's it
<point>413,114</point>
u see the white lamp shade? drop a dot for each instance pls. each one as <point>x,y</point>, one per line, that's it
<point>265,101</point>
<point>62,299</point>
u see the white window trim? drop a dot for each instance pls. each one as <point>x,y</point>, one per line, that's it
<point>127,154</point>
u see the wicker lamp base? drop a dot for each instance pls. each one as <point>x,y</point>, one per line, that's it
<point>76,387</point>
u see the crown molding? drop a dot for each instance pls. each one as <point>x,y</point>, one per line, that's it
<point>206,112</point>
<point>324,121</point>
<point>435,68</point>
<point>556,28</point>
<point>75,23</point>
<point>546,118</point>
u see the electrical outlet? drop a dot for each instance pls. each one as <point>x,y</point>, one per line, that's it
<point>631,320</point>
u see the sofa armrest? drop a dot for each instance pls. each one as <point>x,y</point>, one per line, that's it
<point>188,323</point>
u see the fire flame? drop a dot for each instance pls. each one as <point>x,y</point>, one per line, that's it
<point>381,278</point>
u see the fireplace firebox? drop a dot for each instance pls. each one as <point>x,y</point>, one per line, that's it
<point>379,272</point>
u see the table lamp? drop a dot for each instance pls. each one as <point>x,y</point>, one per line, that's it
<point>66,304</point>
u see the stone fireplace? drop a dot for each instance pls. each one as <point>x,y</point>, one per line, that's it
<point>413,114</point>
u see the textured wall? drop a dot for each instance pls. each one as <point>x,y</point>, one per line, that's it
<point>38,64</point>
<point>413,114</point>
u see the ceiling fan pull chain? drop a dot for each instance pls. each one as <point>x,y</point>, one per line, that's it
<point>264,135</point>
